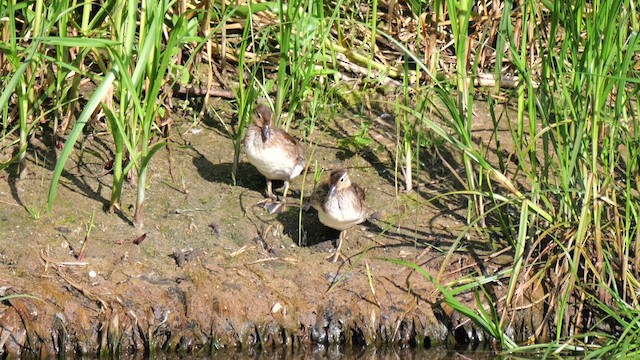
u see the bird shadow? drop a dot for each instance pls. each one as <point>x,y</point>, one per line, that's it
<point>246,175</point>
<point>304,228</point>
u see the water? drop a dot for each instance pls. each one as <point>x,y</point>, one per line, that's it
<point>336,352</point>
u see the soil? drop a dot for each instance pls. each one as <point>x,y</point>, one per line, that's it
<point>209,269</point>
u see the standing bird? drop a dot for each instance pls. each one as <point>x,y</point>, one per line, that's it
<point>276,155</point>
<point>340,205</point>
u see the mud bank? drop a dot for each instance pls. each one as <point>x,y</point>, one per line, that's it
<point>211,270</point>
<point>176,317</point>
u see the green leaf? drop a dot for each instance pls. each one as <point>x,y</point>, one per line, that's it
<point>92,104</point>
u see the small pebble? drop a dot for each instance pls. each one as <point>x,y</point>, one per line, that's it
<point>92,274</point>
<point>276,307</point>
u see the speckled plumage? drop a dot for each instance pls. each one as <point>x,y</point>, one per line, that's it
<point>340,204</point>
<point>275,153</point>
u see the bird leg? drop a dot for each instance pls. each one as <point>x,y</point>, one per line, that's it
<point>286,189</point>
<point>279,205</point>
<point>270,197</point>
<point>337,254</point>
<point>269,189</point>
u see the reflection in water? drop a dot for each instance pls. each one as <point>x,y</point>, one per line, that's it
<point>369,353</point>
<point>326,352</point>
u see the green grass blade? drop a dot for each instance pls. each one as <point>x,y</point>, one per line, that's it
<point>92,104</point>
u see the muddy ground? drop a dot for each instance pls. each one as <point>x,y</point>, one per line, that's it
<point>210,269</point>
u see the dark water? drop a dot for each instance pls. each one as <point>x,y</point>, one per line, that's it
<point>388,353</point>
<point>336,352</point>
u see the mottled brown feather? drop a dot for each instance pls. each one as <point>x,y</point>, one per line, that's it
<point>340,203</point>
<point>275,153</point>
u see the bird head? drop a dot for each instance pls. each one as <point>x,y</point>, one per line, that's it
<point>263,121</point>
<point>339,179</point>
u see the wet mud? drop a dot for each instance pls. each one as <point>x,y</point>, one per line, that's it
<point>211,270</point>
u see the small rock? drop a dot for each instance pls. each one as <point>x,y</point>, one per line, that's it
<point>63,229</point>
<point>182,256</point>
<point>276,308</point>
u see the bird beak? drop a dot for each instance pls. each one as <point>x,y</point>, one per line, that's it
<point>332,190</point>
<point>265,133</point>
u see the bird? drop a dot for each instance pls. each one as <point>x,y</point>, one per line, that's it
<point>276,155</point>
<point>340,204</point>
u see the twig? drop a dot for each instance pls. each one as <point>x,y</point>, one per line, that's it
<point>48,260</point>
<point>239,251</point>
<point>287,259</point>
<point>203,90</point>
<point>8,203</point>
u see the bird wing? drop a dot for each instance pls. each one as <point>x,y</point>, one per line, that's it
<point>319,195</point>
<point>359,191</point>
<point>291,145</point>
<point>301,159</point>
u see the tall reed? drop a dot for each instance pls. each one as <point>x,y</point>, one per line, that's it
<point>576,148</point>
<point>574,141</point>
<point>140,66</point>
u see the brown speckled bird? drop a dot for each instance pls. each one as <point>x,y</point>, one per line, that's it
<point>276,155</point>
<point>340,205</point>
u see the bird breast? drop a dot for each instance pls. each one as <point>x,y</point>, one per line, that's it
<point>276,159</point>
<point>342,211</point>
